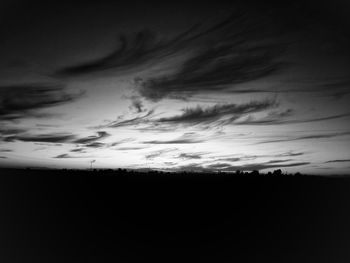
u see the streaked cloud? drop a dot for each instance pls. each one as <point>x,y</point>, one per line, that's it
<point>46,138</point>
<point>93,138</point>
<point>307,137</point>
<point>210,114</point>
<point>29,100</point>
<point>339,161</point>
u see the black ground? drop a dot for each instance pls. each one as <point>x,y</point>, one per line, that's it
<point>71,216</point>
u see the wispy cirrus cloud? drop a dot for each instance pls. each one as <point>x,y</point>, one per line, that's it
<point>338,161</point>
<point>186,138</point>
<point>28,100</point>
<point>93,138</point>
<point>129,122</point>
<point>130,148</point>
<point>224,113</point>
<point>231,51</point>
<point>253,167</point>
<point>54,138</point>
<point>5,150</point>
<point>68,156</point>
<point>283,118</point>
<point>239,158</point>
<point>214,113</point>
<point>307,137</point>
<point>215,69</point>
<point>187,156</point>
<point>45,138</point>
<point>156,154</point>
<point>175,141</point>
<point>132,50</point>
<point>78,150</point>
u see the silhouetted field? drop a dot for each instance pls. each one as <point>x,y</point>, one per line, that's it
<point>120,216</point>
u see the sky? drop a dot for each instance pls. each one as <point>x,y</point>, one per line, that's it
<point>215,86</point>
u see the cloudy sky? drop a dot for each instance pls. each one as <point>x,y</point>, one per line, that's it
<point>179,86</point>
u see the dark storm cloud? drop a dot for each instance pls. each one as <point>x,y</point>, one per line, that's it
<point>21,101</point>
<point>46,138</point>
<point>3,157</point>
<point>91,139</point>
<point>307,137</point>
<point>216,112</point>
<point>339,161</point>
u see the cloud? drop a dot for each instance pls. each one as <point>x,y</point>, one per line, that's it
<point>210,114</point>
<point>186,138</point>
<point>254,157</point>
<point>237,49</point>
<point>237,159</point>
<point>136,104</point>
<point>78,150</point>
<point>175,141</point>
<point>47,138</point>
<point>129,122</point>
<point>232,52</point>
<point>133,50</point>
<point>131,148</point>
<point>10,131</point>
<point>95,145</point>
<point>159,153</point>
<point>279,118</point>
<point>67,156</point>
<point>339,161</point>
<point>307,137</point>
<point>289,154</point>
<point>91,139</point>
<point>190,155</point>
<point>5,150</point>
<point>257,167</point>
<point>215,69</point>
<point>22,101</point>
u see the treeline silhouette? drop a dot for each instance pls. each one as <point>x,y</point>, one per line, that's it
<point>146,173</point>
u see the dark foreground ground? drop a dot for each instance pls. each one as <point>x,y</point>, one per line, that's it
<point>56,216</point>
